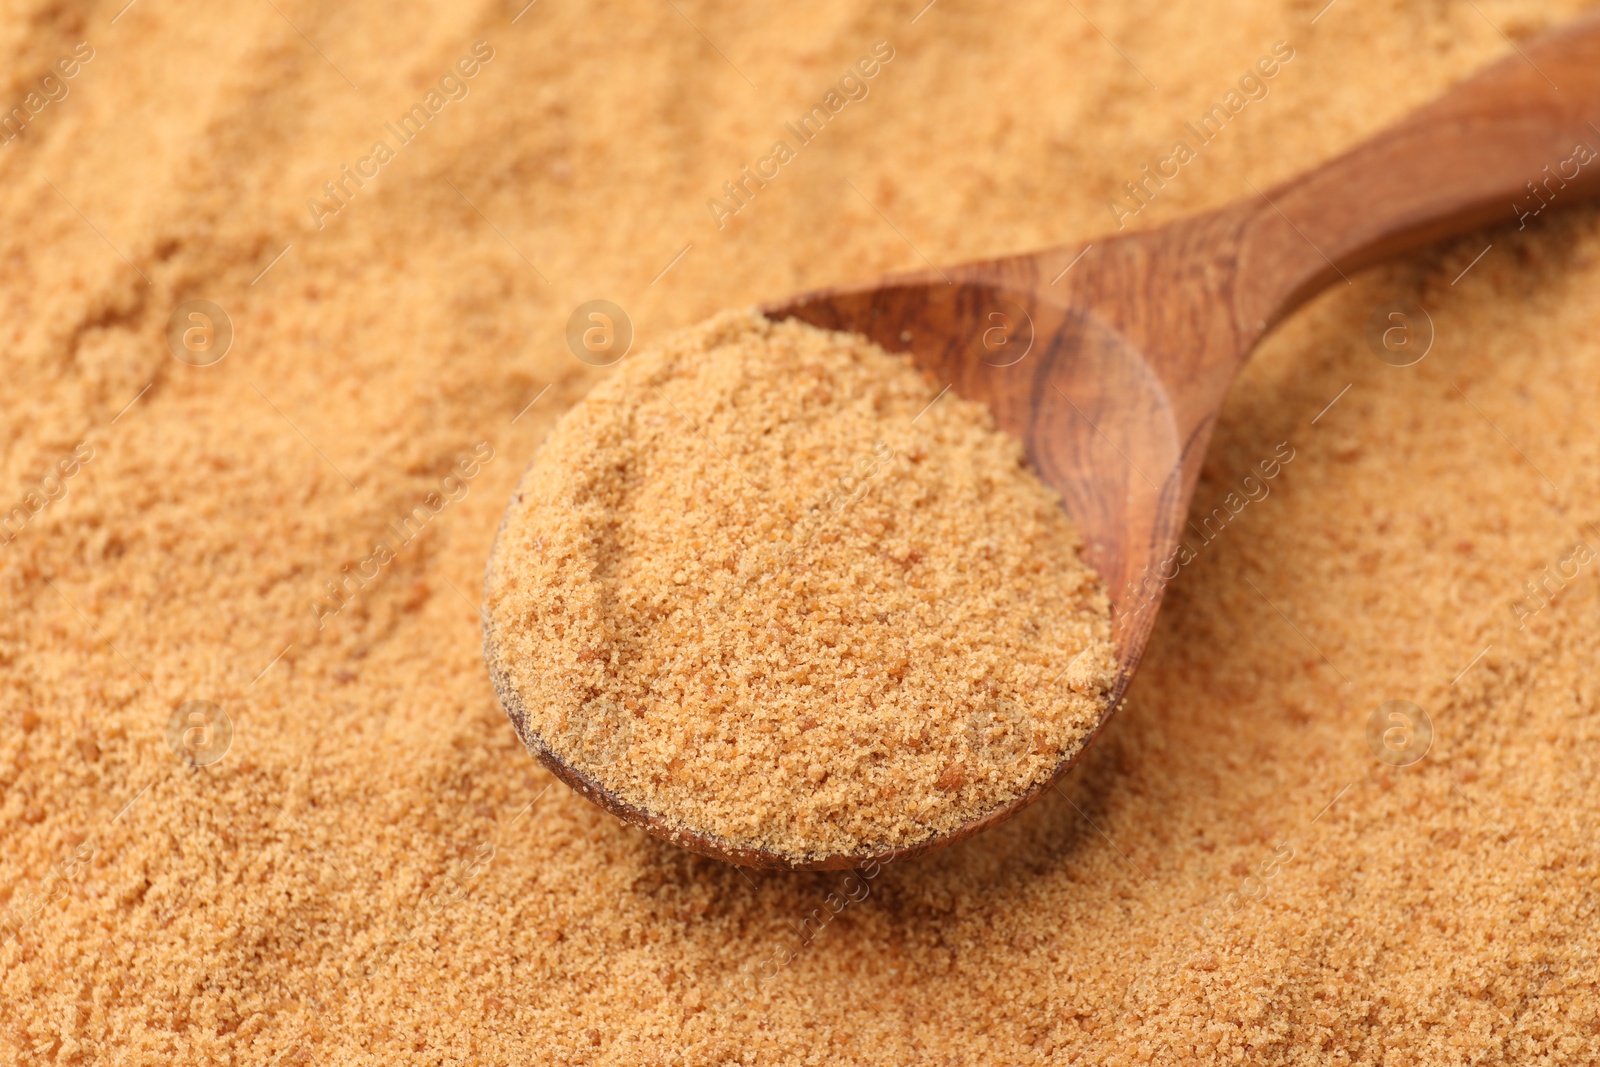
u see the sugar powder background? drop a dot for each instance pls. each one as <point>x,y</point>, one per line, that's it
<point>374,868</point>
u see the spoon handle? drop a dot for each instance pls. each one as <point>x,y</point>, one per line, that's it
<point>1501,147</point>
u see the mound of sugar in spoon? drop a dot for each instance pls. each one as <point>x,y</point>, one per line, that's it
<point>756,586</point>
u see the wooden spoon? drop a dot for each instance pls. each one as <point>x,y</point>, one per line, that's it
<point>1110,361</point>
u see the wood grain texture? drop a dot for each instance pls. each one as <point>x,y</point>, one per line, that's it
<point>1112,372</point>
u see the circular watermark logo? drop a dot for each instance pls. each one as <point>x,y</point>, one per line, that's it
<point>600,732</point>
<point>199,333</point>
<point>1005,334</point>
<point>599,332</point>
<point>1000,734</point>
<point>1400,332</point>
<point>199,732</point>
<point>1399,733</point>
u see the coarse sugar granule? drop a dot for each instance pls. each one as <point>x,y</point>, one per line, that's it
<point>758,585</point>
<point>376,872</point>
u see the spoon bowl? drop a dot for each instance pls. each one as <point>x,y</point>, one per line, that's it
<point>1110,361</point>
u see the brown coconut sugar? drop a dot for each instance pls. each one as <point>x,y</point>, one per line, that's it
<point>761,585</point>
<point>376,871</point>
